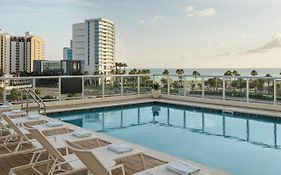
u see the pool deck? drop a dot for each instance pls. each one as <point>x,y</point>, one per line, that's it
<point>153,157</point>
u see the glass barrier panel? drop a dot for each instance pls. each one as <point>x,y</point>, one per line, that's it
<point>261,90</point>
<point>130,85</point>
<point>14,88</point>
<point>213,87</point>
<point>112,86</point>
<point>93,87</point>
<point>236,89</point>
<point>193,86</point>
<point>47,88</point>
<point>146,83</point>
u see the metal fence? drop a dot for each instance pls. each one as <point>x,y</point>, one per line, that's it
<point>241,88</point>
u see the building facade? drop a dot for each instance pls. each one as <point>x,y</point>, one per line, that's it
<point>67,52</point>
<point>94,44</point>
<point>17,53</point>
<point>41,66</point>
<point>4,52</point>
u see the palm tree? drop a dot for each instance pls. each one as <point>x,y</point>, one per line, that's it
<point>196,74</point>
<point>235,73</point>
<point>124,65</point>
<point>132,72</point>
<point>228,73</point>
<point>254,73</point>
<point>268,81</point>
<point>116,66</point>
<point>166,72</point>
<point>180,72</point>
<point>86,73</point>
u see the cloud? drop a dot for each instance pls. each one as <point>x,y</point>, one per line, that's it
<point>141,22</point>
<point>189,10</point>
<point>216,45</point>
<point>249,35</point>
<point>275,42</point>
<point>156,19</point>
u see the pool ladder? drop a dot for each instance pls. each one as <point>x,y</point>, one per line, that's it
<point>27,93</point>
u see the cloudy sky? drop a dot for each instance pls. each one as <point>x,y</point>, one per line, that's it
<point>161,33</point>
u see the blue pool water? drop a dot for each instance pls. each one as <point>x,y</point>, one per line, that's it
<point>240,144</point>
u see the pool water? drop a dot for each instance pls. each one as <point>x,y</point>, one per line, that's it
<point>240,144</point>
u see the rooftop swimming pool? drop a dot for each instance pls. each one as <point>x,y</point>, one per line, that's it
<point>237,143</point>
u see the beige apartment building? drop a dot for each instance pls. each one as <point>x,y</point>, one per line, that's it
<point>4,52</point>
<point>17,53</point>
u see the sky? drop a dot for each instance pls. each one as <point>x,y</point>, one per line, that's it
<point>161,33</point>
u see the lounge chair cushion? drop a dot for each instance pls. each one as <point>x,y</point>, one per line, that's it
<point>33,116</point>
<point>81,134</point>
<point>182,168</point>
<point>120,148</point>
<point>54,124</point>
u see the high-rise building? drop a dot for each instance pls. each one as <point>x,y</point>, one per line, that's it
<point>4,52</point>
<point>17,53</point>
<point>67,52</point>
<point>35,50</point>
<point>94,44</point>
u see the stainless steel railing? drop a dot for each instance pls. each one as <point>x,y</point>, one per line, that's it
<point>27,93</point>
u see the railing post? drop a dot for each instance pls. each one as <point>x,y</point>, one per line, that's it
<point>138,85</point>
<point>122,85</point>
<point>274,91</point>
<point>83,92</point>
<point>223,88</point>
<point>203,87</point>
<point>184,86</point>
<point>168,82</point>
<point>59,88</point>
<point>247,90</point>
<point>4,91</point>
<point>103,86</point>
<point>33,84</point>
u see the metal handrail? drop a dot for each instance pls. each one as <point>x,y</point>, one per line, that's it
<point>35,97</point>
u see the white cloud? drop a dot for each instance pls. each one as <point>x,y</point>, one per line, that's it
<point>156,19</point>
<point>275,42</point>
<point>215,45</point>
<point>206,12</point>
<point>141,22</point>
<point>189,10</point>
<point>249,35</point>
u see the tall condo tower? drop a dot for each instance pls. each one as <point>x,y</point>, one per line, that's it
<point>17,53</point>
<point>94,44</point>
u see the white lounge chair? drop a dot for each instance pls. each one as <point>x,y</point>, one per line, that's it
<point>70,163</point>
<point>95,166</point>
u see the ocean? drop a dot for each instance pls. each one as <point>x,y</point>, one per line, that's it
<point>219,72</point>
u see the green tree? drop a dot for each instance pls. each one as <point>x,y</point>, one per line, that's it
<point>1,93</point>
<point>38,91</point>
<point>180,73</point>
<point>235,73</point>
<point>254,73</point>
<point>15,95</point>
<point>166,72</point>
<point>196,74</point>
<point>228,73</point>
